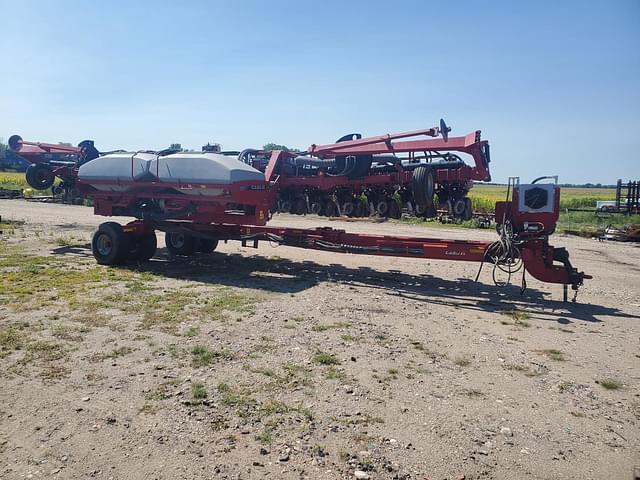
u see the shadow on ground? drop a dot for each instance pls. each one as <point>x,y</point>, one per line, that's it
<point>281,275</point>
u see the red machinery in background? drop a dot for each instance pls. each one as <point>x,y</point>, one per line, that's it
<point>48,161</point>
<point>195,216</point>
<point>378,176</point>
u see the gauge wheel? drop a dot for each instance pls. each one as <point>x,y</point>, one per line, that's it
<point>39,176</point>
<point>179,243</point>
<point>206,245</point>
<point>110,245</point>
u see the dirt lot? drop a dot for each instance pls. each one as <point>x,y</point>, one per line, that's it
<point>287,364</point>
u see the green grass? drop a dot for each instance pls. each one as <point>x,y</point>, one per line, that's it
<point>330,326</point>
<point>112,355</point>
<point>565,386</point>
<point>528,372</point>
<point>516,314</point>
<point>335,374</point>
<point>473,393</point>
<point>17,181</point>
<point>325,359</point>
<point>12,338</point>
<point>484,197</point>
<point>553,354</point>
<point>610,384</point>
<point>191,332</point>
<point>44,351</point>
<point>203,356</point>
<point>462,361</point>
<point>589,224</point>
<point>265,437</point>
<point>236,397</point>
<point>198,391</point>
<point>267,372</point>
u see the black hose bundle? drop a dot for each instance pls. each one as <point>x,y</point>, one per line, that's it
<point>504,253</point>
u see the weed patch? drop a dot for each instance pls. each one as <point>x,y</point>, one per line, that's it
<point>325,359</point>
<point>330,326</point>
<point>203,356</point>
<point>12,338</point>
<point>610,384</point>
<point>462,361</point>
<point>553,354</point>
<point>198,391</point>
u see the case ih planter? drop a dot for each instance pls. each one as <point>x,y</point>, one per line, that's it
<point>201,198</point>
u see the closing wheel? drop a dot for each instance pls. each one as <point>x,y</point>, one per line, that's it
<point>394,210</point>
<point>331,209</point>
<point>382,208</point>
<point>179,243</point>
<point>422,185</point>
<point>39,176</point>
<point>206,245</point>
<point>458,207</point>
<point>348,208</point>
<point>285,207</point>
<point>110,245</point>
<point>299,207</point>
<point>316,208</point>
<point>467,214</point>
<point>143,247</point>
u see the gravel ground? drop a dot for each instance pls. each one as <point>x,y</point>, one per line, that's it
<point>285,363</point>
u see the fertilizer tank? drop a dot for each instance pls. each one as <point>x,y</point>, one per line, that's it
<point>119,172</point>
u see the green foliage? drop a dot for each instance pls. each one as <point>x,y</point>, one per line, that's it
<point>591,224</point>
<point>483,197</point>
<point>199,391</point>
<point>325,359</point>
<point>610,383</point>
<point>553,354</point>
<point>203,356</point>
<point>17,181</point>
<point>276,146</point>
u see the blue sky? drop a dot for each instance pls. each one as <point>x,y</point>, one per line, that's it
<point>554,86</point>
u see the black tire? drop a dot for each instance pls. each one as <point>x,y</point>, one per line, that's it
<point>143,247</point>
<point>331,209</point>
<point>15,142</point>
<point>468,209</point>
<point>206,245</point>
<point>180,243</point>
<point>285,207</point>
<point>348,208</point>
<point>39,176</point>
<point>316,208</point>
<point>422,185</point>
<point>110,245</point>
<point>394,210</point>
<point>458,208</point>
<point>382,208</point>
<point>299,207</point>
